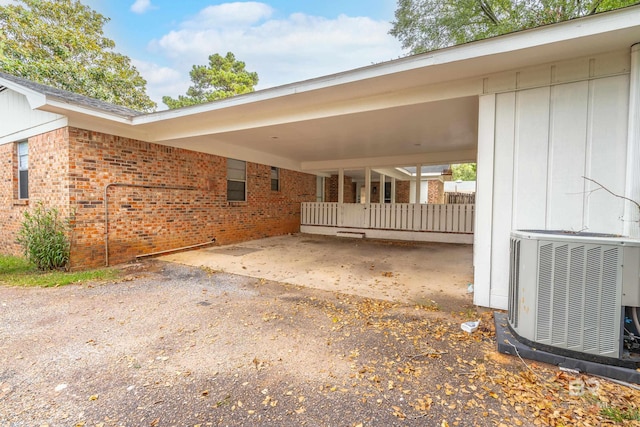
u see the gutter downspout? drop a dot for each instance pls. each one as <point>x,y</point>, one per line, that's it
<point>106,207</point>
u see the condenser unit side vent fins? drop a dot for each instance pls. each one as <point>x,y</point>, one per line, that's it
<point>545,274</point>
<point>609,320</point>
<point>592,300</point>
<point>575,321</point>
<point>559,295</point>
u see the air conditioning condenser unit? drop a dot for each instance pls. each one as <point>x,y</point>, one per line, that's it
<point>576,294</point>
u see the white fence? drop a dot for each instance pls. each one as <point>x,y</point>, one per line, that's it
<point>391,216</point>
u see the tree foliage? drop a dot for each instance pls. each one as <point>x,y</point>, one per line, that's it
<point>61,43</point>
<point>464,172</point>
<point>223,77</point>
<point>424,25</point>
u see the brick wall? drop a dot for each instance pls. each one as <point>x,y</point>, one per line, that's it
<point>402,191</point>
<point>69,168</point>
<point>10,213</point>
<point>145,220</point>
<point>331,189</point>
<point>48,183</point>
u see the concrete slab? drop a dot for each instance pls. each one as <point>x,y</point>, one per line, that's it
<point>408,272</point>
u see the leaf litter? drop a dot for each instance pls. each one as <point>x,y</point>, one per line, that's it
<point>264,353</point>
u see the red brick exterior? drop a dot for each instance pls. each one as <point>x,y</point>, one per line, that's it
<point>331,189</point>
<point>10,210</point>
<point>403,189</point>
<point>70,168</point>
<point>48,183</point>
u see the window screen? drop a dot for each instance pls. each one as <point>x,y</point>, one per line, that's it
<point>236,180</point>
<point>275,179</point>
<point>23,170</point>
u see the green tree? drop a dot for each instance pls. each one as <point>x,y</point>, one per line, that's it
<point>61,43</point>
<point>464,172</point>
<point>424,25</point>
<point>223,77</point>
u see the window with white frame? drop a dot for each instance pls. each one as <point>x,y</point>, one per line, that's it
<point>23,170</point>
<point>275,179</point>
<point>236,180</point>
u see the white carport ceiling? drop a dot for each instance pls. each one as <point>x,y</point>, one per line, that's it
<point>434,127</point>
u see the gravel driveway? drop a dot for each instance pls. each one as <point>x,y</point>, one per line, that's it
<point>170,345</point>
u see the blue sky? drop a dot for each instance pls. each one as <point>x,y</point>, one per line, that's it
<point>283,41</point>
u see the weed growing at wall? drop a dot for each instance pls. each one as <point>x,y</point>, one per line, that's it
<point>43,237</point>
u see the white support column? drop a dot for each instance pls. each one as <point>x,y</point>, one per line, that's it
<point>340,196</point>
<point>383,180</point>
<point>393,190</point>
<point>632,190</point>
<point>367,185</point>
<point>417,208</point>
<point>340,186</point>
<point>418,182</point>
<point>484,201</point>
<point>367,198</point>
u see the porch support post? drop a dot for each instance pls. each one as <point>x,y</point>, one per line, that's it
<point>393,190</point>
<point>340,185</point>
<point>417,208</point>
<point>418,181</point>
<point>383,182</point>
<point>367,198</point>
<point>340,197</point>
<point>367,185</point>
<point>632,188</point>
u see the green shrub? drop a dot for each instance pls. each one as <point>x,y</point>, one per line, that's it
<point>43,237</point>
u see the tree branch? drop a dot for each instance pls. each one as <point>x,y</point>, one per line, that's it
<point>486,8</point>
<point>612,193</point>
<point>594,9</point>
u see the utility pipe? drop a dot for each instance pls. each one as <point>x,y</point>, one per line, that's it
<point>197,245</point>
<point>106,207</point>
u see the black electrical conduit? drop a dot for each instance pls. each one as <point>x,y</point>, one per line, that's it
<point>106,211</point>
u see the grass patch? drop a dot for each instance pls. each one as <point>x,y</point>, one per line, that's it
<point>620,415</point>
<point>16,271</point>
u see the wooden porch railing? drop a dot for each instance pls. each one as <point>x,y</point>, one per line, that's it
<point>391,216</point>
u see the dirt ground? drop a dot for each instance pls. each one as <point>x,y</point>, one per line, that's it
<point>175,345</point>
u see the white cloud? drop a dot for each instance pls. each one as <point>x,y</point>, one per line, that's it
<point>162,81</point>
<point>282,50</point>
<point>229,15</point>
<point>141,6</point>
